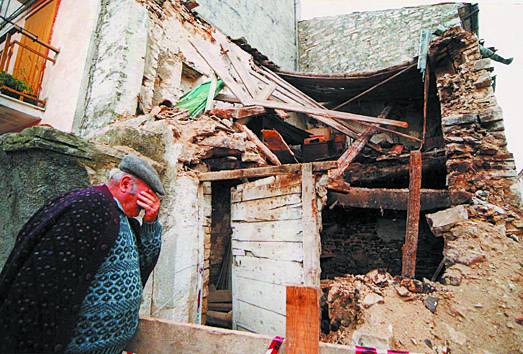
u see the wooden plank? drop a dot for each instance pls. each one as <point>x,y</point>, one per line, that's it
<point>263,171</point>
<point>287,207</point>
<point>251,84</point>
<point>212,93</point>
<point>330,114</point>
<point>267,91</point>
<point>268,270</point>
<point>266,295</point>
<point>351,153</point>
<point>282,230</point>
<point>217,64</point>
<point>222,319</point>
<point>219,296</point>
<point>276,185</point>
<point>259,320</point>
<point>391,199</point>
<point>259,144</point>
<point>413,213</point>
<point>284,251</point>
<point>311,228</point>
<point>220,306</point>
<point>303,320</point>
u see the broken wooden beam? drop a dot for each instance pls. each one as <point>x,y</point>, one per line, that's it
<point>302,324</point>
<point>384,198</point>
<point>352,152</point>
<point>212,92</point>
<point>219,296</point>
<point>330,114</point>
<point>259,144</point>
<point>238,112</point>
<point>408,265</point>
<point>263,171</point>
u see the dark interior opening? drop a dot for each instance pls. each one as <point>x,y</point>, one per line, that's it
<point>356,241</point>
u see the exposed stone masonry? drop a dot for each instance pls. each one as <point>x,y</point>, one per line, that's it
<point>479,167</point>
<point>366,41</point>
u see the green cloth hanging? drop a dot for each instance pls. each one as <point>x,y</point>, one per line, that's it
<point>196,99</point>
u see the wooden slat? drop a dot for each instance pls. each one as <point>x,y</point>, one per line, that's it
<point>287,207</point>
<point>268,270</point>
<point>217,64</point>
<point>303,320</point>
<point>267,91</point>
<point>259,320</point>
<point>351,153</point>
<point>263,171</point>
<point>283,230</point>
<point>212,93</point>
<point>259,144</point>
<point>220,306</point>
<point>262,294</point>
<point>284,251</point>
<point>311,233</point>
<point>219,296</point>
<point>243,72</point>
<point>330,114</point>
<point>276,185</point>
<point>413,213</point>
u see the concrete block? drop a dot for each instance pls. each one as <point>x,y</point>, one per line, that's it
<point>444,220</point>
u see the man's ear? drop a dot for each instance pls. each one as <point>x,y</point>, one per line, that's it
<point>126,184</point>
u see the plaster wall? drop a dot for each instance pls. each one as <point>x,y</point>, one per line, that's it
<point>269,26</point>
<point>62,83</point>
<point>116,66</point>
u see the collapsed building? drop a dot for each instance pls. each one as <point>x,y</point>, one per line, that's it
<point>377,172</point>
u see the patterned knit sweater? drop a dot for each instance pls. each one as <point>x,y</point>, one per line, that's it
<point>109,313</point>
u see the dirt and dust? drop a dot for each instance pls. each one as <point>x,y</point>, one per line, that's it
<point>480,315</point>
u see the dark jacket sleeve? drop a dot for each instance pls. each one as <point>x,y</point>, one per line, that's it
<point>50,268</point>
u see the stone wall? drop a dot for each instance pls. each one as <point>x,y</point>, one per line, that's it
<point>366,41</point>
<point>357,241</point>
<point>480,169</point>
<point>269,26</point>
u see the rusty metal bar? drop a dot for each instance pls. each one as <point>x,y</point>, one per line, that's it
<point>410,246</point>
<point>373,87</point>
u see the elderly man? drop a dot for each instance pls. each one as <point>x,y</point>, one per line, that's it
<point>73,282</point>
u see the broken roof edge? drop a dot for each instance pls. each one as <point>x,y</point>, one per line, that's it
<point>350,75</point>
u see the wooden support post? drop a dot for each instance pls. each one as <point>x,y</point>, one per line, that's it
<point>352,152</point>
<point>413,213</point>
<point>212,92</point>
<point>302,334</point>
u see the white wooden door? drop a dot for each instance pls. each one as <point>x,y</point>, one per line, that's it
<point>273,244</point>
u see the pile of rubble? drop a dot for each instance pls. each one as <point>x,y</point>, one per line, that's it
<point>207,142</point>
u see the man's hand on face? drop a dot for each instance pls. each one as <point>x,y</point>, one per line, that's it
<point>151,203</point>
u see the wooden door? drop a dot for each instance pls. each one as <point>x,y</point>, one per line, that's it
<point>272,247</point>
<point>29,66</point>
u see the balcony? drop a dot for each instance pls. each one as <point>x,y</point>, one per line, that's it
<point>24,55</point>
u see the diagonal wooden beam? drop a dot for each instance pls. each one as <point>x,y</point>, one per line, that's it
<point>259,144</point>
<point>351,153</point>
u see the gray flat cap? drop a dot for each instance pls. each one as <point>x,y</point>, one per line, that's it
<point>142,169</point>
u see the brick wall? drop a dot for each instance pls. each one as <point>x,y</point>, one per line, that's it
<point>365,41</point>
<point>357,241</point>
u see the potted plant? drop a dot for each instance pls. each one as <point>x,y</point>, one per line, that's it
<point>19,85</point>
